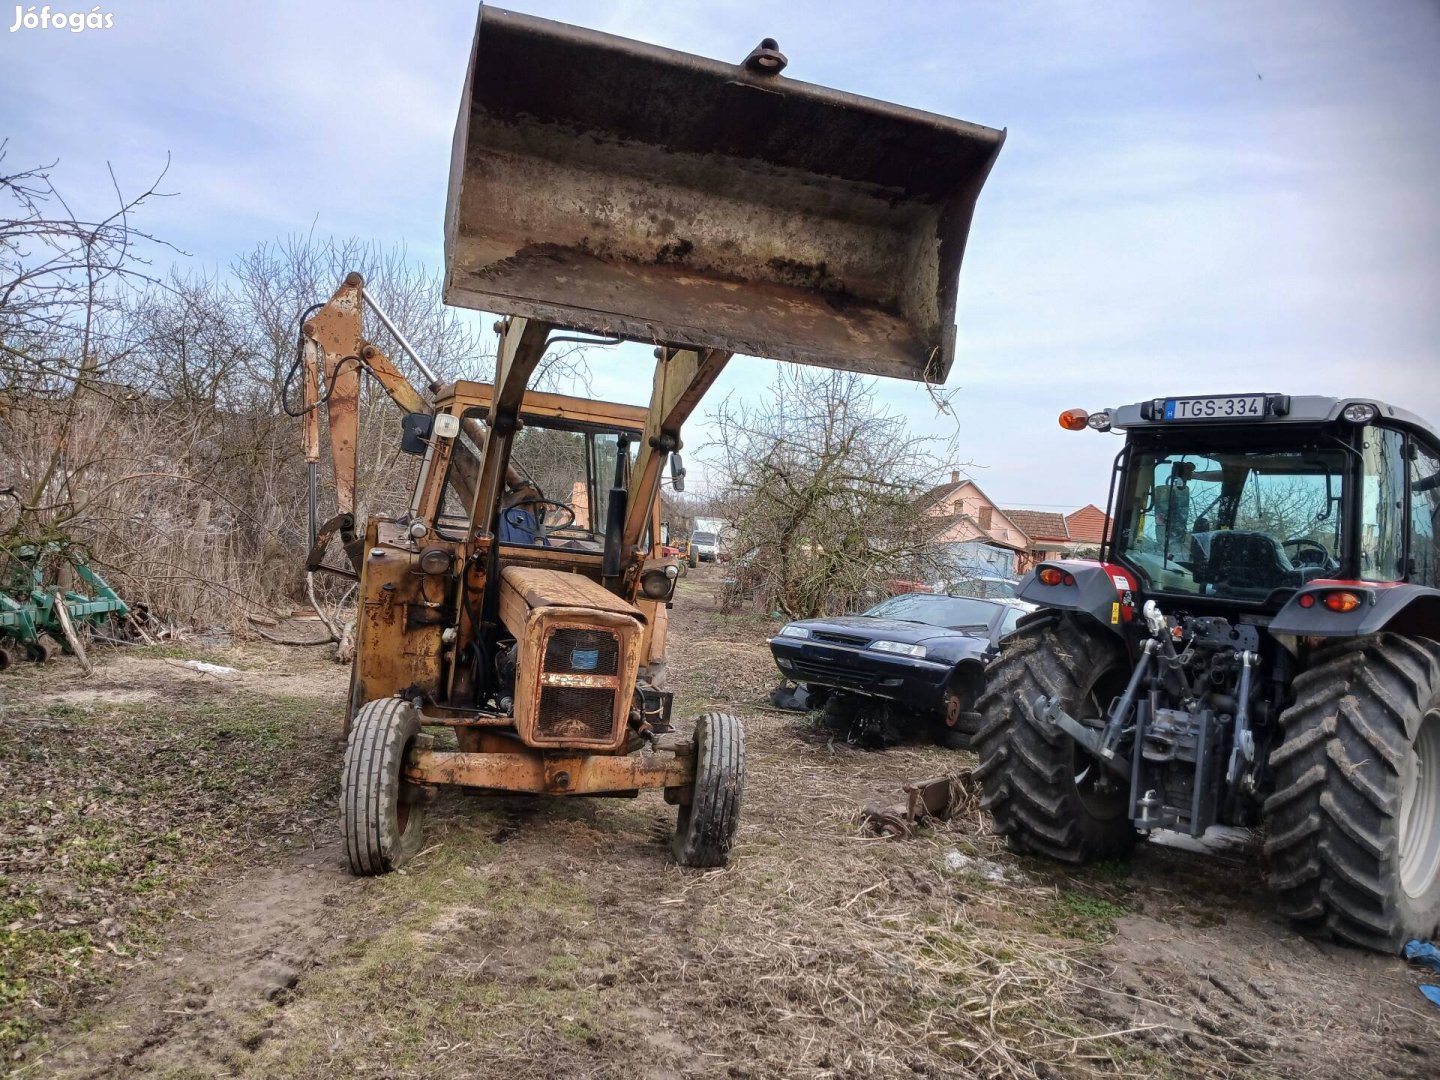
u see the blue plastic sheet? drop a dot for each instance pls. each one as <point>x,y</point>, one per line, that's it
<point>1423,952</point>
<point>1431,992</point>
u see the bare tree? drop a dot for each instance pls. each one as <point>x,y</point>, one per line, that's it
<point>823,490</point>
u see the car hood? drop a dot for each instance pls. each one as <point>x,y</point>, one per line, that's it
<point>875,629</point>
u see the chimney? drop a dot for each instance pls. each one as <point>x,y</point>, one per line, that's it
<point>954,476</point>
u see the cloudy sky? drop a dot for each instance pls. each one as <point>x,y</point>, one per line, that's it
<point>1194,197</point>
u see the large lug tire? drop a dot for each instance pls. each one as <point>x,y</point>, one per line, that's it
<point>1354,823</point>
<point>1044,794</point>
<point>706,828</point>
<point>382,816</point>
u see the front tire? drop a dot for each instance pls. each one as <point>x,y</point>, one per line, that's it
<point>958,723</point>
<point>705,831</point>
<point>1045,795</point>
<point>382,815</point>
<point>1354,823</point>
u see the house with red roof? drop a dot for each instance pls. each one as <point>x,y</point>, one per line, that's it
<point>987,540</point>
<point>981,538</point>
<point>1076,535</point>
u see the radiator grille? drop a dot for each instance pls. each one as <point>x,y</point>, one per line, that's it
<point>571,713</point>
<point>576,713</point>
<point>582,652</point>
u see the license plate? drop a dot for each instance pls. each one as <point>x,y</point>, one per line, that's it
<point>1233,407</point>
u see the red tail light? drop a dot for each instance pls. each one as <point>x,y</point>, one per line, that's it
<point>1342,601</point>
<point>1050,576</point>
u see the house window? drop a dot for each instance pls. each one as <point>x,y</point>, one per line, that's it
<point>987,515</point>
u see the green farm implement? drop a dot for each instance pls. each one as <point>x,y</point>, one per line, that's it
<point>38,613</point>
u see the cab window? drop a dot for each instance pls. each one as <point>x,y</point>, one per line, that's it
<point>1382,506</point>
<point>1424,516</point>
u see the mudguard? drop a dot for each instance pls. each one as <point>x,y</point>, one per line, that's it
<point>1103,591</point>
<point>1395,606</point>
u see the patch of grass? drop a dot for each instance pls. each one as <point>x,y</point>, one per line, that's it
<point>30,951</point>
<point>114,809</point>
<point>176,651</point>
<point>1089,918</point>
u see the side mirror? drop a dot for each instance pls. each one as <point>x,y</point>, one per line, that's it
<point>677,472</point>
<point>415,431</point>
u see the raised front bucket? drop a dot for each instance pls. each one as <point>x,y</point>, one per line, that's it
<point>611,186</point>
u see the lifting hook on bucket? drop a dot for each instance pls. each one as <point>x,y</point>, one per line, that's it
<point>766,58</point>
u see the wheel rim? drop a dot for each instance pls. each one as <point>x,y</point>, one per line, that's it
<point>407,795</point>
<point>952,708</point>
<point>1420,811</point>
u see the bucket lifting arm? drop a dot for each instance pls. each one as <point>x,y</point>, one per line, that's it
<point>682,377</point>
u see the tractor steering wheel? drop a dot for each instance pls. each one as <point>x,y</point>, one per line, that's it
<point>536,505</point>
<point>1306,552</point>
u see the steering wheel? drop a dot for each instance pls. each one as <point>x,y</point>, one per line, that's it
<point>1304,552</point>
<point>536,506</point>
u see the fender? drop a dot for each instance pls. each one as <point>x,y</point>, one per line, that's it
<point>1384,605</point>
<point>1103,591</point>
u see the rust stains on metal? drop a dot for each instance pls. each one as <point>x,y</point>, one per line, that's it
<point>939,799</point>
<point>555,773</point>
<point>751,213</point>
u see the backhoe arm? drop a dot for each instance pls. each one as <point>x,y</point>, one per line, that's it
<point>334,343</point>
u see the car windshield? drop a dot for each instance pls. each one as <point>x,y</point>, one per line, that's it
<point>703,538</point>
<point>1235,524</point>
<point>949,611</point>
<point>984,588</point>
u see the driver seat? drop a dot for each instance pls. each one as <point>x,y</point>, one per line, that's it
<point>1247,561</point>
<point>519,525</point>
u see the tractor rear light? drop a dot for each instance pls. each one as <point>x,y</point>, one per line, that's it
<point>1099,421</point>
<point>1306,600</point>
<point>1050,575</point>
<point>1342,602</point>
<point>1069,579</point>
<point>1074,419</point>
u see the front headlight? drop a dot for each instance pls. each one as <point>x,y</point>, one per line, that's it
<point>917,651</point>
<point>794,631</point>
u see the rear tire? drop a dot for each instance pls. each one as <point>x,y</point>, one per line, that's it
<point>382,815</point>
<point>1354,823</point>
<point>706,828</point>
<point>1038,786</point>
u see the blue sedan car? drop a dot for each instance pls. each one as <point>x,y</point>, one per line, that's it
<point>915,654</point>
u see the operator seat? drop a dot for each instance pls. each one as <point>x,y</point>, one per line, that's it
<point>1247,562</point>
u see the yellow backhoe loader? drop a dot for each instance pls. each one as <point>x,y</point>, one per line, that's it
<point>604,186</point>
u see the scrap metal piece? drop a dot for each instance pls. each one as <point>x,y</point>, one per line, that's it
<point>939,799</point>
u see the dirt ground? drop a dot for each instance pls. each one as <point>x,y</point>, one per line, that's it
<point>174,903</point>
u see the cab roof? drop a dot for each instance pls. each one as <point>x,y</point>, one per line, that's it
<point>1280,410</point>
